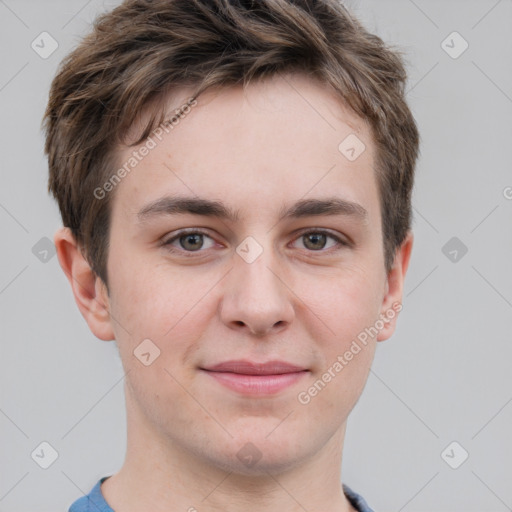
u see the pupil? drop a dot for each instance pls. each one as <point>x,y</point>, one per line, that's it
<point>195,241</point>
<point>315,238</point>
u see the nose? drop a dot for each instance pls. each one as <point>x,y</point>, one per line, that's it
<point>257,298</point>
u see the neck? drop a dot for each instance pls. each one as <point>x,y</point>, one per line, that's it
<point>159,475</point>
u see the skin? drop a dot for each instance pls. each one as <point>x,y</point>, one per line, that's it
<point>302,300</point>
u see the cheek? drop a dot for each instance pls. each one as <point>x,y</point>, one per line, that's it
<point>151,302</point>
<point>149,297</point>
<point>345,349</point>
<point>346,301</point>
<point>348,304</point>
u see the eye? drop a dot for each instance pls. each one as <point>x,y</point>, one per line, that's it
<point>316,240</point>
<point>192,240</point>
<point>189,241</point>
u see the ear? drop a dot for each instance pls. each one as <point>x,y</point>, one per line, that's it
<point>392,303</point>
<point>90,292</point>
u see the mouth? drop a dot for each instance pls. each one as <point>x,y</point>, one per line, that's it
<point>251,378</point>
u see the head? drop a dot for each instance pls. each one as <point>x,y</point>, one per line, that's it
<point>244,107</point>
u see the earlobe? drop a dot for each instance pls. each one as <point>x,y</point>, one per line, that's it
<point>88,289</point>
<point>392,303</point>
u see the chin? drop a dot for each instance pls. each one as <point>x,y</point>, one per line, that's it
<point>262,453</point>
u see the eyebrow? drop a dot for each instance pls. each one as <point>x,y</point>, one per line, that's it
<point>199,206</point>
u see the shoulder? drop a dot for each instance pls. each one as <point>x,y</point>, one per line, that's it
<point>357,501</point>
<point>92,502</point>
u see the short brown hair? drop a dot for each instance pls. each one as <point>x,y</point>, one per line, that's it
<point>144,49</point>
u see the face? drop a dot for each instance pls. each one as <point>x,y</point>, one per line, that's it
<point>254,296</point>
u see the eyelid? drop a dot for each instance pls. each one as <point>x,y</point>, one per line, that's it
<point>343,240</point>
<point>184,232</point>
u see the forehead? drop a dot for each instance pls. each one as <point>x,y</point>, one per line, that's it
<point>278,138</point>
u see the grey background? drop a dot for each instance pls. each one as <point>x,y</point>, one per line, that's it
<point>444,376</point>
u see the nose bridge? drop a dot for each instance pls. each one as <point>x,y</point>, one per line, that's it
<point>256,296</point>
<point>256,276</point>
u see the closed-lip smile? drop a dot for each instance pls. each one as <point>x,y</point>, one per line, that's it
<point>253,378</point>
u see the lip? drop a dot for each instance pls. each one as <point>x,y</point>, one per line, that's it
<point>251,378</point>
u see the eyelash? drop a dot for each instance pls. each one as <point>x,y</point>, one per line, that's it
<point>197,231</point>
